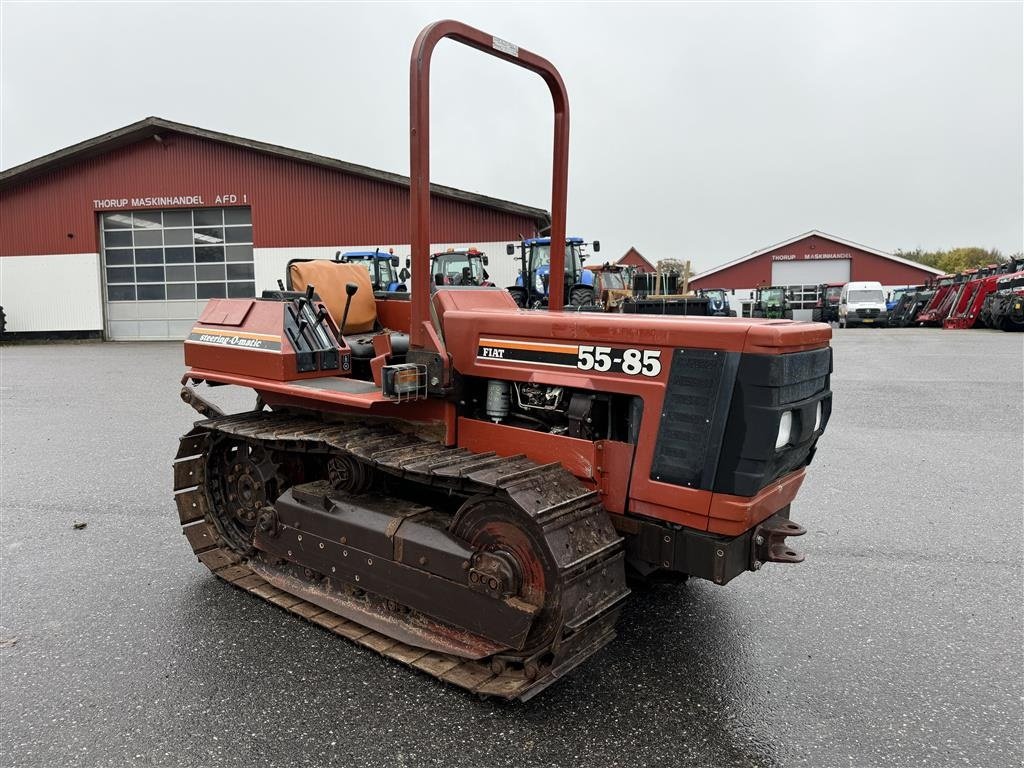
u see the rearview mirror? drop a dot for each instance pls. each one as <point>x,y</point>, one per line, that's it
<point>394,261</point>
<point>597,246</point>
<point>484,259</point>
<point>408,262</point>
<point>510,249</point>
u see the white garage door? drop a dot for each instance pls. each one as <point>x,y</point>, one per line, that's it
<point>811,272</point>
<point>160,267</point>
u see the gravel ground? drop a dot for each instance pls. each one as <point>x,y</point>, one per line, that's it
<point>898,642</point>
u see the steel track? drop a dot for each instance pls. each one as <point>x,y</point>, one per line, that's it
<point>577,531</point>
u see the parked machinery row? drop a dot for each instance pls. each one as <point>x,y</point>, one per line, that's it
<point>604,288</point>
<point>991,297</point>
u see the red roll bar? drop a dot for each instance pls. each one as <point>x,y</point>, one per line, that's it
<point>419,158</point>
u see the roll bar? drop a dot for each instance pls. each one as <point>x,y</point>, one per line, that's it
<point>419,157</point>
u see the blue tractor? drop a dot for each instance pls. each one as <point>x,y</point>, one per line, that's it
<point>382,267</point>
<point>893,299</point>
<point>718,302</point>
<point>533,282</point>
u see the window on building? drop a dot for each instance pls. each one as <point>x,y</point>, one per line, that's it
<point>804,296</point>
<point>205,253</point>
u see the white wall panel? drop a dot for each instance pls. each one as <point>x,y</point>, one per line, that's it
<point>810,272</point>
<point>52,293</point>
<point>151,320</point>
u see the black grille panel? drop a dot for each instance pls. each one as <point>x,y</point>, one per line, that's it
<point>652,305</point>
<point>691,400</point>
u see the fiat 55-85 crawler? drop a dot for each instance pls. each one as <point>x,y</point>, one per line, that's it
<point>465,486</point>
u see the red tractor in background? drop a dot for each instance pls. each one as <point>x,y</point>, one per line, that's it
<point>946,291</point>
<point>826,306</point>
<point>463,486</point>
<point>460,266</point>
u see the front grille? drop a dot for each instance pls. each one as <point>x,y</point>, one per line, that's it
<point>867,313</point>
<point>721,416</point>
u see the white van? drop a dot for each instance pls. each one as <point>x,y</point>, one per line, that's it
<point>862,304</point>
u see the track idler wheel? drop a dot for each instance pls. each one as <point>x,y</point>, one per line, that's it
<point>514,560</point>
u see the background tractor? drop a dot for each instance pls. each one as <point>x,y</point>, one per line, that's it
<point>533,284</point>
<point>772,303</point>
<point>718,302</point>
<point>459,266</point>
<point>611,284</point>
<point>826,303</point>
<point>1003,309</point>
<point>381,267</point>
<point>911,302</point>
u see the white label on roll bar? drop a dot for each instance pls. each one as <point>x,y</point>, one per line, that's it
<point>505,46</point>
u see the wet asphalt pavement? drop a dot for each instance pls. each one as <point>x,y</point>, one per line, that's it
<point>898,642</point>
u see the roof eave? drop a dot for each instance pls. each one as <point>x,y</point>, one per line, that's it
<point>152,126</point>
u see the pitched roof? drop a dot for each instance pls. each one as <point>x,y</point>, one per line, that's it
<point>825,235</point>
<point>634,254</point>
<point>154,126</point>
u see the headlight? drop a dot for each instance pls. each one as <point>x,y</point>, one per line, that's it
<point>785,427</point>
<point>817,417</point>
<point>540,284</point>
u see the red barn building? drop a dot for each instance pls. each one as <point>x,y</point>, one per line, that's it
<point>126,235</point>
<point>633,258</point>
<point>805,261</point>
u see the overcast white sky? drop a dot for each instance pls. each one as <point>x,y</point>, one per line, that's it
<point>700,131</point>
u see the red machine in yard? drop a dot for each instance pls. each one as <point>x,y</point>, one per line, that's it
<point>946,292</point>
<point>462,485</point>
<point>826,306</point>
<point>967,312</point>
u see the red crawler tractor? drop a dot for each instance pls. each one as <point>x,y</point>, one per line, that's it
<point>464,486</point>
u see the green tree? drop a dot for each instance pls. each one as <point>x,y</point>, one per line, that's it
<point>955,259</point>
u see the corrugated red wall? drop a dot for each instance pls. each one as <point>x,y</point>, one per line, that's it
<point>293,203</point>
<point>863,266</point>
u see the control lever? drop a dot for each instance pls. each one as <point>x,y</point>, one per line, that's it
<point>280,284</point>
<point>350,291</point>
